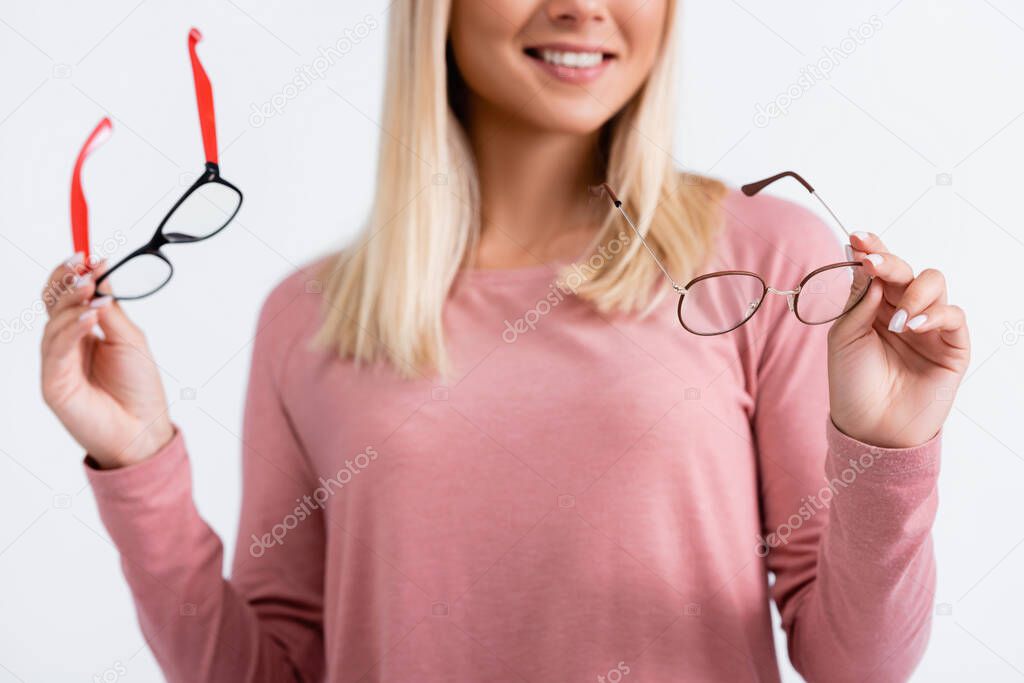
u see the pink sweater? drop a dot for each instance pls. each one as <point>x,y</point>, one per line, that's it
<point>596,498</point>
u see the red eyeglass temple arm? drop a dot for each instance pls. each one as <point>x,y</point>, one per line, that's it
<point>79,207</point>
<point>204,99</point>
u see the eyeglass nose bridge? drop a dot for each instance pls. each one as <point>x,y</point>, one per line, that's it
<point>790,295</point>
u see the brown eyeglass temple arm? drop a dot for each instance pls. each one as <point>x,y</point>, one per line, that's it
<point>597,190</point>
<point>753,188</point>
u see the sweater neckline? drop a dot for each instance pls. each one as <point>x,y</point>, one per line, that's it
<point>526,274</point>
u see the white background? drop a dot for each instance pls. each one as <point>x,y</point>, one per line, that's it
<point>937,90</point>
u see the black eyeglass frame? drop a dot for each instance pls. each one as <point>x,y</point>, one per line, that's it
<point>160,238</point>
<point>211,175</point>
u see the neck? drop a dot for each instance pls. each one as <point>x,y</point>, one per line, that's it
<point>535,207</point>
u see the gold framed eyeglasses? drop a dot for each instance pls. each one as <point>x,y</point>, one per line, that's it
<point>719,302</point>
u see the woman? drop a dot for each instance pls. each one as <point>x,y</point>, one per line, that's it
<point>459,467</point>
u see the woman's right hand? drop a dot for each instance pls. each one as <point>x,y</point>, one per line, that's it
<point>105,391</point>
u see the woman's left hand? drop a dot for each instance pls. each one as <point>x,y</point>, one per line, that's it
<point>896,360</point>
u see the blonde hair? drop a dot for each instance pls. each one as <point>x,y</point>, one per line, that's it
<point>385,294</point>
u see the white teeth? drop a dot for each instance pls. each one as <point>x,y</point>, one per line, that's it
<point>573,60</point>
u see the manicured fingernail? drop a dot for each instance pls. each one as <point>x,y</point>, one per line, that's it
<point>82,280</point>
<point>917,321</point>
<point>76,259</point>
<point>849,252</point>
<point>861,235</point>
<point>899,319</point>
<point>874,259</point>
<point>100,302</point>
<point>87,316</point>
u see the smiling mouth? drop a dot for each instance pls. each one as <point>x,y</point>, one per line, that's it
<point>580,58</point>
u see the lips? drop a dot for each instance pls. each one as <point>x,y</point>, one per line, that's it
<point>571,63</point>
<point>570,55</point>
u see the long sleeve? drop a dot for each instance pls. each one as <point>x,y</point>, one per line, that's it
<point>846,525</point>
<point>265,623</point>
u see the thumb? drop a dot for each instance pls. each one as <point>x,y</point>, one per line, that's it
<point>117,326</point>
<point>114,322</point>
<point>861,317</point>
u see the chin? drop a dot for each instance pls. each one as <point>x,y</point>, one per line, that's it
<point>572,124</point>
<point>524,91</point>
<point>576,116</point>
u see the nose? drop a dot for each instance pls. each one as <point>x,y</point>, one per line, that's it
<point>577,12</point>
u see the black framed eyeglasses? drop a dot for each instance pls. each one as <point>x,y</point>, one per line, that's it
<point>206,208</point>
<point>719,302</point>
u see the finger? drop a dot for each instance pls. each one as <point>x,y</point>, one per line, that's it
<point>62,280</point>
<point>72,326</point>
<point>949,320</point>
<point>62,368</point>
<point>61,361</point>
<point>867,242</point>
<point>65,318</point>
<point>116,324</point>
<point>55,324</point>
<point>894,272</point>
<point>99,271</point>
<point>927,288</point>
<point>81,290</point>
